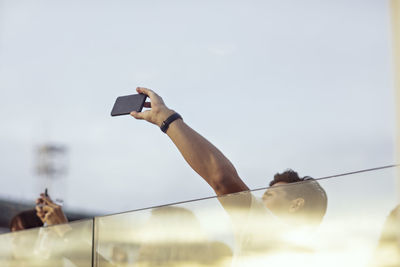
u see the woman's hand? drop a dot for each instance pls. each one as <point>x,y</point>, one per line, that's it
<point>49,212</point>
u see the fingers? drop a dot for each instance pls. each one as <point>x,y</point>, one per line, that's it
<point>155,98</point>
<point>46,217</point>
<point>41,216</point>
<point>140,115</point>
<point>40,213</point>
<point>137,115</point>
<point>44,195</point>
<point>40,200</point>
<point>47,209</point>
<point>158,110</point>
<point>46,200</point>
<point>44,212</point>
<point>150,93</point>
<point>38,209</point>
<point>44,209</point>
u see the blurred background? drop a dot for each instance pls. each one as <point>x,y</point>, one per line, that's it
<point>307,85</point>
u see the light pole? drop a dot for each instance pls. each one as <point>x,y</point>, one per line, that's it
<point>51,168</point>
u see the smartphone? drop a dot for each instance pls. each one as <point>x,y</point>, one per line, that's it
<point>124,105</point>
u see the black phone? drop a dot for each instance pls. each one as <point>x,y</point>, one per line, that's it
<point>124,105</point>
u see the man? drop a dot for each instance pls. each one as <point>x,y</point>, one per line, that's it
<point>218,171</point>
<point>291,203</point>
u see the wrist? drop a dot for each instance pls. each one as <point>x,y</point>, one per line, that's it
<point>164,114</point>
<point>172,118</point>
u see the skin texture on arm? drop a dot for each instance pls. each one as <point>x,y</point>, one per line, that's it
<point>202,156</point>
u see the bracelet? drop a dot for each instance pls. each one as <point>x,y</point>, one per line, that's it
<point>164,126</point>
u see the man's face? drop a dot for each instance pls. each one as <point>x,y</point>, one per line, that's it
<point>276,199</point>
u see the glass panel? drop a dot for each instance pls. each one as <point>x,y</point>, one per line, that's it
<point>59,245</point>
<point>340,221</point>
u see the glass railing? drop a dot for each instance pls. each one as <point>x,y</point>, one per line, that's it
<point>338,221</point>
<point>346,220</point>
<point>60,245</point>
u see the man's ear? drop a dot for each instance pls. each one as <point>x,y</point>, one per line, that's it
<point>296,204</point>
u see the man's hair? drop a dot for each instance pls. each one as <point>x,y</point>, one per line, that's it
<point>309,189</point>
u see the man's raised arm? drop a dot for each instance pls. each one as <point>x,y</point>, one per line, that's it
<point>201,155</point>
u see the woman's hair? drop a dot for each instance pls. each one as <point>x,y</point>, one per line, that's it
<point>25,220</point>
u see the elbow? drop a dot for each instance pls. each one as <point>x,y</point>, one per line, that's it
<point>226,181</point>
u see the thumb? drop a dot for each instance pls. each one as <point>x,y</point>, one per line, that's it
<point>139,115</point>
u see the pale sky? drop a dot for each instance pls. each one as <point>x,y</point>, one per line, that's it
<point>305,85</point>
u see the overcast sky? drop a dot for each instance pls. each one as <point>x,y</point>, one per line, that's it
<point>274,84</point>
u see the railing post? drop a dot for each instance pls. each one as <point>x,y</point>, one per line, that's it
<point>395,17</point>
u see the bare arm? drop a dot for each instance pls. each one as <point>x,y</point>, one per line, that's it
<point>200,154</point>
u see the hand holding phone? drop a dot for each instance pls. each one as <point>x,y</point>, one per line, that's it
<point>48,211</point>
<point>158,111</point>
<point>124,105</point>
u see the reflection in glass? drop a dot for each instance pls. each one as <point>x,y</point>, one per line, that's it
<point>174,237</point>
<point>284,225</point>
<point>167,236</point>
<point>388,250</point>
<point>281,221</point>
<point>243,228</point>
<point>59,245</point>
